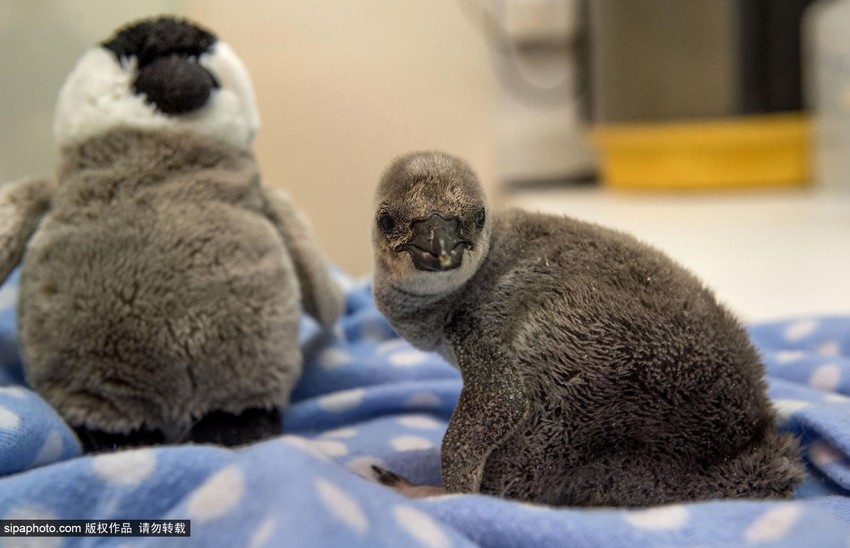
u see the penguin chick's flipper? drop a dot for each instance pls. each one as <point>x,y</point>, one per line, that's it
<point>230,430</point>
<point>403,486</point>
<point>22,204</point>
<point>491,407</point>
<point>323,298</point>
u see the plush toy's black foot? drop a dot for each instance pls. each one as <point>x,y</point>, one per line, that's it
<point>228,429</point>
<point>218,428</point>
<point>98,441</point>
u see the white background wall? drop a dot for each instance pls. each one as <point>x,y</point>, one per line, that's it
<point>343,87</point>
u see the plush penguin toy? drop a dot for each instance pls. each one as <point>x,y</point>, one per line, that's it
<point>596,371</point>
<point>161,282</point>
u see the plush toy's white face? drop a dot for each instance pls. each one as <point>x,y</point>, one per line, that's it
<point>158,74</point>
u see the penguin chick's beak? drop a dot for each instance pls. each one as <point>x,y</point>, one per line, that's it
<point>436,245</point>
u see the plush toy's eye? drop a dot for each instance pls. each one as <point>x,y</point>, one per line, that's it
<point>386,222</point>
<point>480,217</point>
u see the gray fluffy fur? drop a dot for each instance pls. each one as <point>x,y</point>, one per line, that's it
<point>162,283</point>
<point>596,371</point>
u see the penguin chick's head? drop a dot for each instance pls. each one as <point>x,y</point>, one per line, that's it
<point>158,74</point>
<point>431,231</point>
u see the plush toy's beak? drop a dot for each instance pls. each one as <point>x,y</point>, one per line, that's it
<point>175,84</point>
<point>436,244</point>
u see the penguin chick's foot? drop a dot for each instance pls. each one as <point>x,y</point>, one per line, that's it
<point>401,485</point>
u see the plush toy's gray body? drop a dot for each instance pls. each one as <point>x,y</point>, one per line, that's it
<point>595,370</point>
<point>156,291</point>
<point>161,284</point>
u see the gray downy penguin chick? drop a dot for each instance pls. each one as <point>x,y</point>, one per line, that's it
<point>161,282</point>
<point>596,371</point>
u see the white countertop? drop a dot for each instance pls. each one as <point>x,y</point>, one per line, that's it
<point>767,254</point>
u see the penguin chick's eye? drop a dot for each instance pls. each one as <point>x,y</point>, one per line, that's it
<point>480,217</point>
<point>386,222</point>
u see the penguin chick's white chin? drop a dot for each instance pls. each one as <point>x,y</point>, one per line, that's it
<point>98,96</point>
<point>398,271</point>
<point>426,283</point>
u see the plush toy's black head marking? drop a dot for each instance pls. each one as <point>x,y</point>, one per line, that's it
<point>146,40</point>
<point>167,52</point>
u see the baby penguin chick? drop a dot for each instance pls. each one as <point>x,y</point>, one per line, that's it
<point>596,371</point>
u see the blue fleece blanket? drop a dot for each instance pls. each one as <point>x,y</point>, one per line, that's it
<point>368,397</point>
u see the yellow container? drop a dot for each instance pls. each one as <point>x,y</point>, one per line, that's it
<point>754,151</point>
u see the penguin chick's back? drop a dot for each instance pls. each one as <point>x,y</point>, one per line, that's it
<point>629,352</point>
<point>610,299</point>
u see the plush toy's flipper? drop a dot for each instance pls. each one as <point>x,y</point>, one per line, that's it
<point>323,298</point>
<point>22,205</point>
<point>227,429</point>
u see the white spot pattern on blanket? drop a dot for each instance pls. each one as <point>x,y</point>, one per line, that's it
<point>662,517</point>
<point>788,407</point>
<point>826,377</point>
<point>411,443</point>
<point>800,330</point>
<point>829,349</point>
<point>15,392</point>
<point>9,420</point>
<point>220,494</point>
<point>125,468</point>
<point>421,422</point>
<point>304,444</point>
<point>391,346</point>
<point>822,453</point>
<point>331,448</point>
<point>334,358</point>
<point>408,358</point>
<point>788,356</point>
<point>340,433</point>
<point>8,295</point>
<point>342,506</point>
<point>263,533</point>
<point>362,466</point>
<point>421,527</point>
<point>51,449</point>
<point>773,524</point>
<point>423,399</point>
<point>342,401</point>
